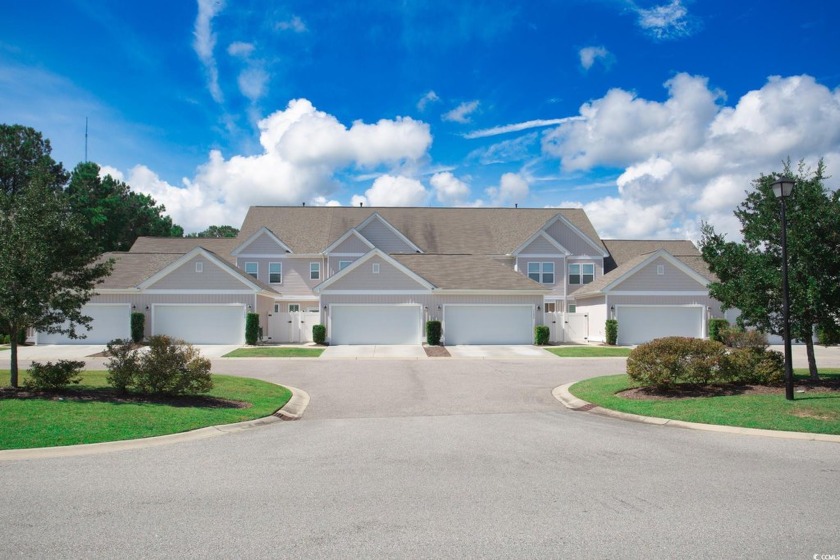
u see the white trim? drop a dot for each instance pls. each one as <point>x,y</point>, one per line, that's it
<point>397,232</point>
<point>375,268</point>
<point>296,298</point>
<point>340,268</point>
<point>133,291</point>
<point>581,274</point>
<point>601,251</point>
<point>541,233</point>
<point>226,267</point>
<point>374,253</point>
<point>343,238</point>
<point>377,292</point>
<point>316,263</point>
<point>468,292</point>
<point>586,258</point>
<point>691,273</point>
<point>188,291</point>
<point>199,267</point>
<point>539,256</point>
<point>658,293</point>
<point>238,250</point>
<point>337,255</point>
<point>280,283</point>
<point>245,269</point>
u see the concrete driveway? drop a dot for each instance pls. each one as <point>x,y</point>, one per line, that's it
<point>357,351</point>
<point>499,352</point>
<point>431,459</point>
<point>482,352</point>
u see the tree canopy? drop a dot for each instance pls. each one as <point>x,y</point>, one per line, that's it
<point>48,264</point>
<point>115,216</point>
<point>216,232</point>
<point>749,273</point>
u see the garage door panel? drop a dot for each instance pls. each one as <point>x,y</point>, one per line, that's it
<point>375,324</point>
<point>488,324</point>
<point>201,324</point>
<point>109,321</point>
<point>638,324</point>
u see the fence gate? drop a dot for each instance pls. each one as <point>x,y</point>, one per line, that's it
<point>577,327</point>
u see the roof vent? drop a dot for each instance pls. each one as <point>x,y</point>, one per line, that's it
<point>361,204</point>
<point>303,203</point>
<point>516,205</point>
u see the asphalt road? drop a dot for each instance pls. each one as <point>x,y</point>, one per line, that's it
<point>432,459</point>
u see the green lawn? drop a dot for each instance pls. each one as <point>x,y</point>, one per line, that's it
<point>26,423</point>
<point>275,352</point>
<point>809,412</point>
<point>589,351</point>
<point>4,347</point>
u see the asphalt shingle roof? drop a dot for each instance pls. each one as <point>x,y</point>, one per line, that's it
<point>222,247</point>
<point>466,272</point>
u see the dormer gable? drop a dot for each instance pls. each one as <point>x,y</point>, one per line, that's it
<point>262,243</point>
<point>200,269</point>
<point>384,236</point>
<point>375,272</point>
<point>541,245</point>
<point>571,238</point>
<point>351,243</point>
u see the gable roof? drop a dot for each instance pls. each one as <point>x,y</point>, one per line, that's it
<point>130,269</point>
<point>631,266</point>
<point>262,231</point>
<point>220,246</point>
<point>475,231</point>
<point>623,250</point>
<point>467,272</point>
<point>359,262</point>
<point>238,273</point>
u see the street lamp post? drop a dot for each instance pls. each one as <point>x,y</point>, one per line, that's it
<point>782,188</point>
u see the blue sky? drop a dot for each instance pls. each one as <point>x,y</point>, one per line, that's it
<point>652,115</point>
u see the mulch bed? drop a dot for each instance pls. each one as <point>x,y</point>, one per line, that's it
<point>436,351</point>
<point>110,396</point>
<point>692,391</point>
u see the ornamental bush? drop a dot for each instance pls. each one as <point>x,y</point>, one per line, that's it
<point>717,328</point>
<point>733,337</point>
<point>541,335</point>
<point>666,362</point>
<point>252,329</point>
<point>138,326</point>
<point>754,366</point>
<point>611,328</point>
<point>433,333</point>
<point>319,334</point>
<point>828,335</point>
<point>54,376</point>
<point>124,365</point>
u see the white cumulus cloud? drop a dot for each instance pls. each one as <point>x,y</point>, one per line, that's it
<point>590,55</point>
<point>667,21</point>
<point>513,188</point>
<point>462,112</point>
<point>390,190</point>
<point>449,189</point>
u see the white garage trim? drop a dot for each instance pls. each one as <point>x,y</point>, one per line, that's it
<point>643,323</point>
<point>352,323</point>
<point>200,323</point>
<point>488,324</point>
<point>110,321</point>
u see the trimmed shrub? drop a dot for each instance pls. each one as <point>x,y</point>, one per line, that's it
<point>252,329</point>
<point>666,362</point>
<point>319,334</point>
<point>54,376</point>
<point>124,365</point>
<point>172,367</point>
<point>433,332</point>
<point>611,328</point>
<point>138,326</point>
<point>755,366</point>
<point>734,337</point>
<point>541,334</point>
<point>716,328</point>
<point>21,336</point>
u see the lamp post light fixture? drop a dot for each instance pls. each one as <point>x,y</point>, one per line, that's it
<point>782,188</point>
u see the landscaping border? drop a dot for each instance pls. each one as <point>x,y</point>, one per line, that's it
<point>571,402</point>
<point>292,410</point>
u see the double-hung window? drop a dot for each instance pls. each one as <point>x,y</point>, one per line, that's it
<point>581,273</point>
<point>343,264</point>
<point>275,273</point>
<point>314,270</point>
<point>542,272</point>
<point>252,269</point>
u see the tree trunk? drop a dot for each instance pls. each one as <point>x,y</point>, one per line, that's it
<point>812,360</point>
<point>13,376</point>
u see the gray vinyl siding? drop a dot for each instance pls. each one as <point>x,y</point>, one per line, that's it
<point>295,273</point>
<point>352,245</point>
<point>212,277</point>
<point>647,279</point>
<point>388,278</point>
<point>559,272</point>
<point>263,245</point>
<point>384,238</point>
<point>570,239</point>
<point>142,301</point>
<point>540,246</point>
<point>706,301</point>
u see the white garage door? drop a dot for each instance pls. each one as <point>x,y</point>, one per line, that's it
<point>488,324</point>
<point>110,321</point>
<point>375,324</point>
<point>637,324</point>
<point>201,324</point>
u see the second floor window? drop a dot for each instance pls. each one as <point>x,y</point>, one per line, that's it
<point>581,273</point>
<point>252,269</point>
<point>542,272</point>
<point>314,271</point>
<point>275,273</point>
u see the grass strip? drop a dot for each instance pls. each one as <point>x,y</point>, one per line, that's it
<point>48,422</point>
<point>813,411</point>
<point>275,352</point>
<point>590,351</point>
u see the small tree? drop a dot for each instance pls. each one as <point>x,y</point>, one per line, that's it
<point>433,332</point>
<point>716,328</point>
<point>319,334</point>
<point>252,329</point>
<point>611,329</point>
<point>541,335</point>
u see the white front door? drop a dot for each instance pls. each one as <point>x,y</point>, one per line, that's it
<point>375,324</point>
<point>488,324</point>
<point>201,323</point>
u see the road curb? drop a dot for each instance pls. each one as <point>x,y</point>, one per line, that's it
<point>292,410</point>
<point>571,402</point>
